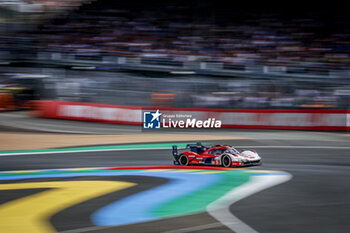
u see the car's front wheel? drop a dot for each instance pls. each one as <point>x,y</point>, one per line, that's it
<point>226,161</point>
<point>183,160</point>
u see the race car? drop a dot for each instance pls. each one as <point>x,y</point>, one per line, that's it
<point>218,155</point>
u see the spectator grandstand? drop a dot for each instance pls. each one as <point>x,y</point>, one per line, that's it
<point>316,43</point>
<point>277,58</point>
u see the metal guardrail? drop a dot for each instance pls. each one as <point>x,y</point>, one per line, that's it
<point>199,67</point>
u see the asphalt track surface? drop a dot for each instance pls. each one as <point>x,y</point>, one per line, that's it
<point>316,199</point>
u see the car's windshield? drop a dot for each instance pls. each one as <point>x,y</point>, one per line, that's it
<point>232,151</point>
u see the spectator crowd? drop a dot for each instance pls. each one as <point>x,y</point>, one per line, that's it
<point>174,34</point>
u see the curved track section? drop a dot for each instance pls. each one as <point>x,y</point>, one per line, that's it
<point>187,191</point>
<point>314,200</point>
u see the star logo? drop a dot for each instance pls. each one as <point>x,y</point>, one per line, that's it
<point>156,115</point>
<point>151,119</point>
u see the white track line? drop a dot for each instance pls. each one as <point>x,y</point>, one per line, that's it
<point>296,147</point>
<point>166,148</point>
<point>78,151</point>
<point>220,209</point>
<point>195,228</point>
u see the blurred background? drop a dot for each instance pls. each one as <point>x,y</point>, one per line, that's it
<point>254,66</point>
<point>207,53</point>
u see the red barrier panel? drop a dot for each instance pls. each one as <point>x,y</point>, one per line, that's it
<point>88,112</point>
<point>6,102</point>
<point>230,118</point>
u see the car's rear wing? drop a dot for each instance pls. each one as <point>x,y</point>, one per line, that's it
<point>192,147</point>
<point>175,150</point>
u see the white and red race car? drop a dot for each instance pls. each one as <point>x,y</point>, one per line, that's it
<point>218,155</point>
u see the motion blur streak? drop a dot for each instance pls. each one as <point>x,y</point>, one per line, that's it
<point>86,72</point>
<point>142,205</point>
<point>31,214</point>
<point>220,209</point>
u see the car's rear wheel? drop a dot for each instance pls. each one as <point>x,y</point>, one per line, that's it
<point>226,161</point>
<point>183,160</point>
